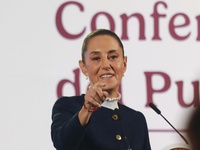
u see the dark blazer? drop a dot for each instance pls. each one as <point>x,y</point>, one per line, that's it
<point>119,129</point>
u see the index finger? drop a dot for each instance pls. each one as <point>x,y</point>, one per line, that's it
<point>98,88</point>
<point>98,84</point>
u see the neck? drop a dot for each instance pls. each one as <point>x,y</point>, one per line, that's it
<point>113,93</point>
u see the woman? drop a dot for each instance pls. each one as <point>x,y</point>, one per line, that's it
<point>95,120</point>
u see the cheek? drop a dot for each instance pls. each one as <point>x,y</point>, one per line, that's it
<point>92,69</point>
<point>120,67</point>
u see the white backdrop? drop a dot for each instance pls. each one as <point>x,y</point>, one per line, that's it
<point>35,57</point>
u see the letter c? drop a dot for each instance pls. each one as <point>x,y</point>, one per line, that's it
<point>59,24</point>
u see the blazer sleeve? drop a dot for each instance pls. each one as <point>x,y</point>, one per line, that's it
<point>146,141</point>
<point>66,130</point>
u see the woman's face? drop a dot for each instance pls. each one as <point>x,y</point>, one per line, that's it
<point>104,62</point>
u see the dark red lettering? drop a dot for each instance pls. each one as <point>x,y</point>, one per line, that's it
<point>156,16</point>
<point>125,19</point>
<point>172,26</point>
<point>108,16</point>
<point>149,86</point>
<point>195,101</point>
<point>76,84</point>
<point>198,28</point>
<point>59,23</point>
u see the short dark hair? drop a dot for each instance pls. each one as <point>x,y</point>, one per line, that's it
<point>96,33</point>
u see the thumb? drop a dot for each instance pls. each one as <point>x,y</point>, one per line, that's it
<point>105,94</point>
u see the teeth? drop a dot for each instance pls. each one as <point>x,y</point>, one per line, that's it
<point>106,76</point>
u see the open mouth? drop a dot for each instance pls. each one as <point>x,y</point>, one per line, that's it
<point>106,76</point>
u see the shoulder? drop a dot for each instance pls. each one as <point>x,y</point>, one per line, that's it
<point>69,101</point>
<point>66,99</point>
<point>131,113</point>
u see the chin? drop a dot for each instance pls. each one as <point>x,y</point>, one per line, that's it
<point>109,88</point>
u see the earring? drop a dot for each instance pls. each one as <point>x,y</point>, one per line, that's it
<point>86,77</point>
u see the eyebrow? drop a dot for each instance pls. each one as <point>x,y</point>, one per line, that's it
<point>98,52</point>
<point>112,51</point>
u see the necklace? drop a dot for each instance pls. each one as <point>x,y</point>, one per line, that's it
<point>113,99</point>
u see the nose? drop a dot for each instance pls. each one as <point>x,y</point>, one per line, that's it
<point>105,64</point>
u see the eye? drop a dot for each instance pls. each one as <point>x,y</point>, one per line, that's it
<point>95,58</point>
<point>113,57</point>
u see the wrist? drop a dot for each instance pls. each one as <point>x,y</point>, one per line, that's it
<point>89,109</point>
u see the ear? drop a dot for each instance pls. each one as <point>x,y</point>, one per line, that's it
<point>125,63</point>
<point>83,68</point>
